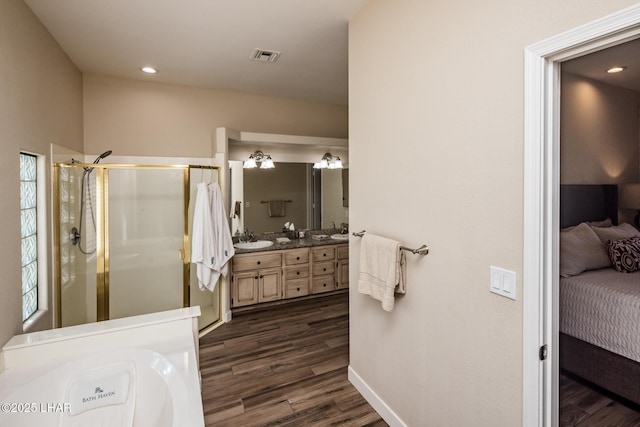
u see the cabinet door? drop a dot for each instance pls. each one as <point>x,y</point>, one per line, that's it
<point>245,289</point>
<point>270,285</point>
<point>343,274</point>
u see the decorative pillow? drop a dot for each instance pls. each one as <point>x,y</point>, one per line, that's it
<point>581,250</point>
<point>604,223</point>
<point>622,231</point>
<point>625,254</point>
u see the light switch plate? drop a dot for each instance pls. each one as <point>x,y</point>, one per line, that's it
<point>502,282</point>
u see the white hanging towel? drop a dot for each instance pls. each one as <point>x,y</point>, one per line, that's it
<point>202,240</point>
<point>223,242</point>
<point>382,269</point>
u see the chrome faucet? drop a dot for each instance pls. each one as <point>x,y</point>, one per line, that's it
<point>249,235</point>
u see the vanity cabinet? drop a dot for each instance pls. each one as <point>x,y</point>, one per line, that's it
<point>323,269</point>
<point>283,274</point>
<point>296,272</point>
<point>342,267</point>
<point>256,278</point>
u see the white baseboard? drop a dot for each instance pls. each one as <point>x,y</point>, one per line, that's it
<point>227,316</point>
<point>374,400</point>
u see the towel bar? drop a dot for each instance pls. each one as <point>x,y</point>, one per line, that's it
<point>422,250</point>
<point>267,201</point>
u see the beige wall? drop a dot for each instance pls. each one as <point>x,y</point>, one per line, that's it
<point>444,105</point>
<point>41,103</point>
<point>599,132</point>
<point>143,118</point>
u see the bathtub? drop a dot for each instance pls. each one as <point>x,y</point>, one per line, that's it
<point>139,371</point>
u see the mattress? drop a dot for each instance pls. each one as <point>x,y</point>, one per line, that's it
<point>602,307</point>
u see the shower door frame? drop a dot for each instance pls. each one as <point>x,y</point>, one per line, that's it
<point>102,233</point>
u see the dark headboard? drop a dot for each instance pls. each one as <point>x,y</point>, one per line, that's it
<point>580,203</point>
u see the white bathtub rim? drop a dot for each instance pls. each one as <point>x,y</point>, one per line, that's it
<point>105,327</point>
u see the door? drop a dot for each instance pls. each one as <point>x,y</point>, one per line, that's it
<point>270,285</point>
<point>245,288</point>
<point>145,229</point>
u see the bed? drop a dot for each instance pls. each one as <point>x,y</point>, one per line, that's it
<point>599,308</point>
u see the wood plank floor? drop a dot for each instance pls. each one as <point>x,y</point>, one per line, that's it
<point>285,366</point>
<point>583,405</point>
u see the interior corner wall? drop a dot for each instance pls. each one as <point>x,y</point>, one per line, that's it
<point>41,103</point>
<point>146,118</point>
<point>599,132</point>
<point>444,111</point>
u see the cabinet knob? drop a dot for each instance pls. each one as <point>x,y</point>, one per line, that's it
<point>324,269</point>
<point>256,277</point>
<point>297,258</point>
<point>298,273</point>
<point>324,254</point>
<point>261,276</point>
<point>258,262</point>
<point>324,284</point>
<point>298,289</point>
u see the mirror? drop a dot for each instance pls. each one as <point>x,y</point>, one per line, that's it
<point>262,200</point>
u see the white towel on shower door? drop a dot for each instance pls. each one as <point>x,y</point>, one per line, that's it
<point>211,242</point>
<point>223,242</point>
<point>203,253</point>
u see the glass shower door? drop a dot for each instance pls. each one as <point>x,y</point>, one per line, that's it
<point>145,229</point>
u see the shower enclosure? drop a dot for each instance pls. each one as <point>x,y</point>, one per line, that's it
<point>122,241</point>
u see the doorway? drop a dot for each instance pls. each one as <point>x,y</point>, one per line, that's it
<point>541,202</point>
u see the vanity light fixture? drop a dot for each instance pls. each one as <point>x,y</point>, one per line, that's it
<point>259,157</point>
<point>328,162</point>
<point>616,69</point>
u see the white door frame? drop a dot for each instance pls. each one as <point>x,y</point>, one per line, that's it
<point>541,201</point>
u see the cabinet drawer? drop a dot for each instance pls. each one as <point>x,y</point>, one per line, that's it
<point>296,272</point>
<point>324,253</point>
<point>258,261</point>
<point>296,256</point>
<point>320,268</point>
<point>323,284</point>
<point>296,288</point>
<point>343,252</point>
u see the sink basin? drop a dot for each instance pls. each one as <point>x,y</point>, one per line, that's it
<point>339,236</point>
<point>258,244</point>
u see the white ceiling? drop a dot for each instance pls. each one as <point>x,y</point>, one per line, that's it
<point>595,65</point>
<point>207,43</point>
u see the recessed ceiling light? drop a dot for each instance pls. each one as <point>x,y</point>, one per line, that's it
<point>613,70</point>
<point>149,70</point>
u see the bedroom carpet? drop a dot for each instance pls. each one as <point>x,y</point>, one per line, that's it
<point>584,406</point>
<point>285,365</point>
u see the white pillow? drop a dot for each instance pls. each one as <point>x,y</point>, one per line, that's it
<point>581,250</point>
<point>617,232</point>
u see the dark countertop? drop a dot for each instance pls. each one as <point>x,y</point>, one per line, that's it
<point>307,242</point>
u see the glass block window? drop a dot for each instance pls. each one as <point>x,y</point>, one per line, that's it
<point>28,229</point>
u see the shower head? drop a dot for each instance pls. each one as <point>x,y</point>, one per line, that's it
<point>102,156</point>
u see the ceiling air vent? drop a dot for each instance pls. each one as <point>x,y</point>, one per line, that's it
<point>263,55</point>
